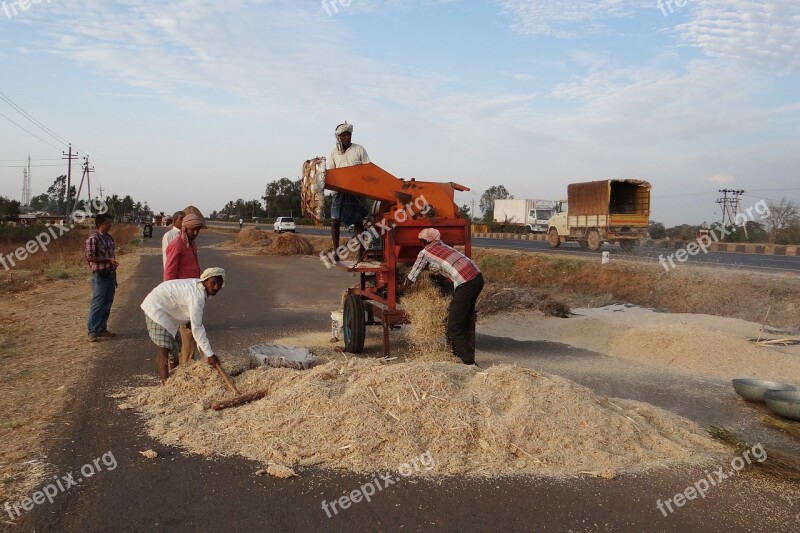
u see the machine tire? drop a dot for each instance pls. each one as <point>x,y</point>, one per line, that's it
<point>354,328</point>
<point>593,240</point>
<point>553,239</point>
<point>627,246</point>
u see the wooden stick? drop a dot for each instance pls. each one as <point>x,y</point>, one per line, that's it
<point>763,324</point>
<point>239,400</point>
<point>226,379</point>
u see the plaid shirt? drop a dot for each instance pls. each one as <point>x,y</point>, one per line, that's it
<point>100,245</point>
<point>444,259</point>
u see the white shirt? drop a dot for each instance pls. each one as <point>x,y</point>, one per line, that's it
<point>176,302</point>
<point>354,155</point>
<point>165,240</point>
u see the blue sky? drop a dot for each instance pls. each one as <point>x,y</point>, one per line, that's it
<point>200,102</point>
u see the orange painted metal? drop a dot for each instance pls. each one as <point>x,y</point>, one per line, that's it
<point>406,207</point>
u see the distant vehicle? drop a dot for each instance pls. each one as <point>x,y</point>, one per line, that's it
<point>147,230</point>
<point>531,215</point>
<point>616,211</point>
<point>284,224</point>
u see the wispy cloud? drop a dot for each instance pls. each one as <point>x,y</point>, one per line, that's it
<point>760,35</point>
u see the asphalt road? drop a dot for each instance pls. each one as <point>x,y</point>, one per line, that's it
<point>762,262</point>
<point>268,297</point>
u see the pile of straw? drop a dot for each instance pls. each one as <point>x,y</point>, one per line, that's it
<point>367,416</point>
<point>290,244</point>
<point>427,310</point>
<point>252,236</point>
<point>496,299</point>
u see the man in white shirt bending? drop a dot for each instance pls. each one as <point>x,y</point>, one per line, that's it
<point>175,231</point>
<point>176,302</point>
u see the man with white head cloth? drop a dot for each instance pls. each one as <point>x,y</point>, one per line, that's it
<point>177,302</point>
<point>346,208</point>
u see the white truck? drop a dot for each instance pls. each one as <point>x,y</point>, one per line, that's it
<point>532,215</point>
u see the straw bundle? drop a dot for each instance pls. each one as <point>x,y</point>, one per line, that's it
<point>777,463</point>
<point>792,428</point>
<point>427,310</point>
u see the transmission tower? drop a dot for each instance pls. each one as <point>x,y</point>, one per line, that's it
<point>730,207</point>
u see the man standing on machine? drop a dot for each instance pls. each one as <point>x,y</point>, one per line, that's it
<point>346,208</point>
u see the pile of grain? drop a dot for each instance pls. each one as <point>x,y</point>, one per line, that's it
<point>252,236</point>
<point>366,416</point>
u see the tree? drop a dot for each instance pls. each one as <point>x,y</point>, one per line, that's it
<point>657,230</point>
<point>495,192</point>
<point>464,211</point>
<point>282,198</point>
<point>782,220</point>
<point>8,207</point>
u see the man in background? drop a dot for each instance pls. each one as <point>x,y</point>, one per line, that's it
<point>346,208</point>
<point>173,232</point>
<point>183,263</point>
<point>100,252</point>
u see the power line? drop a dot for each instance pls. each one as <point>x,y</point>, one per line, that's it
<point>26,166</point>
<point>27,115</point>
<point>20,127</point>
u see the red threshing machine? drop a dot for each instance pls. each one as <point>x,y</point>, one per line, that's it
<point>402,209</point>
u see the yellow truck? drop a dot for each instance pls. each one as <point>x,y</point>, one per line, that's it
<point>616,211</point>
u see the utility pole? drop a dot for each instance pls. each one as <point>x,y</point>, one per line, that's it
<point>26,184</point>
<point>87,169</point>
<point>730,207</point>
<point>69,159</point>
<point>472,209</point>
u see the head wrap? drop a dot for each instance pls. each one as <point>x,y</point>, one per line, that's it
<point>193,221</point>
<point>342,128</point>
<point>213,272</point>
<point>430,235</point>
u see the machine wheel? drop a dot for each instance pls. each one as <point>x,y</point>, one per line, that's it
<point>627,246</point>
<point>593,240</point>
<point>553,239</point>
<point>354,327</point>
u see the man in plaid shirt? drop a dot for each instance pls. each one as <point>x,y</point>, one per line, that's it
<point>100,252</point>
<point>467,281</point>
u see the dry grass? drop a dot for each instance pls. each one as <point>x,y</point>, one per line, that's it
<point>776,463</point>
<point>586,283</point>
<point>44,363</point>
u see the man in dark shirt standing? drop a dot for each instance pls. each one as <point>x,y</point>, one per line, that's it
<point>100,252</point>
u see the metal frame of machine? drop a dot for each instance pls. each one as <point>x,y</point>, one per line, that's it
<point>406,207</point>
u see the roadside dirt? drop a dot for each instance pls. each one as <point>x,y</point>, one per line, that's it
<point>45,358</point>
